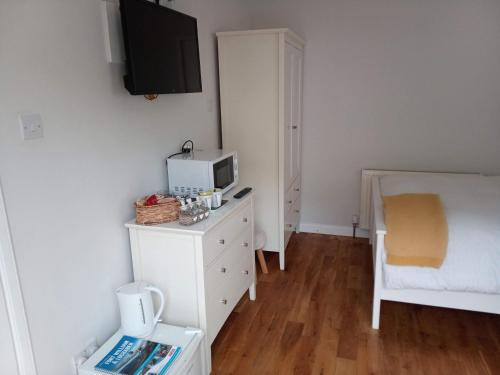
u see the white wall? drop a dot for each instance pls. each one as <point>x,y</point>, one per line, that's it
<point>68,194</point>
<point>391,84</point>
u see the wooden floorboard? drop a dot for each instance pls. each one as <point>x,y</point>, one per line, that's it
<point>314,318</point>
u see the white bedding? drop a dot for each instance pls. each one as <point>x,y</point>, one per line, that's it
<point>472,206</point>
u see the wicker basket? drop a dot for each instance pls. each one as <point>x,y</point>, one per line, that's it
<point>187,218</point>
<point>166,210</point>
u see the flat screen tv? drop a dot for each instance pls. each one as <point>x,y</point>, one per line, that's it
<point>161,48</point>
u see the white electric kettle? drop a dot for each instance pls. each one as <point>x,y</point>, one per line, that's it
<point>136,308</point>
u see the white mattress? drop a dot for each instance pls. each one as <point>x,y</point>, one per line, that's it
<point>472,206</point>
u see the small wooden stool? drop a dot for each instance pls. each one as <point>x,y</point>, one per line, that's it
<point>260,241</point>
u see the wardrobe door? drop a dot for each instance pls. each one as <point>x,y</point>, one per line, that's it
<point>296,85</point>
<point>8,361</point>
<point>288,116</point>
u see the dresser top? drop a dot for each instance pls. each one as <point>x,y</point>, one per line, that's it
<point>216,216</point>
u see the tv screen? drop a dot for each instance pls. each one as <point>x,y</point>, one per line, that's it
<point>161,48</point>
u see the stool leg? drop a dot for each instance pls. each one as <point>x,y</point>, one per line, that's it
<point>262,261</point>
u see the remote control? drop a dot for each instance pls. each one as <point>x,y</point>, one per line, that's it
<point>242,192</point>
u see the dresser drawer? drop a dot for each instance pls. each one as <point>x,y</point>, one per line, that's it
<point>225,267</point>
<point>226,280</point>
<point>292,216</point>
<point>223,236</point>
<point>244,275</point>
<point>219,305</point>
<point>222,298</point>
<point>292,194</point>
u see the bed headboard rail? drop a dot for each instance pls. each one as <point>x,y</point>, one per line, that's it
<point>367,176</point>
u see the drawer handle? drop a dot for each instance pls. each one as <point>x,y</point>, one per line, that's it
<point>245,220</point>
<point>289,225</point>
<point>244,244</point>
<point>223,269</point>
<point>245,272</point>
<point>294,126</point>
<point>222,242</point>
<point>297,211</point>
<point>223,301</point>
<point>290,202</point>
<point>297,189</point>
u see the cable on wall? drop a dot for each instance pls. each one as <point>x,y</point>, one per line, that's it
<point>184,149</point>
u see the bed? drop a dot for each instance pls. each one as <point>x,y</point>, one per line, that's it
<point>469,277</point>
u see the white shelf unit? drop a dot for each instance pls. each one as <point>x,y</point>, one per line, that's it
<point>192,360</point>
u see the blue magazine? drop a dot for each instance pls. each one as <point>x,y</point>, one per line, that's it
<point>133,356</point>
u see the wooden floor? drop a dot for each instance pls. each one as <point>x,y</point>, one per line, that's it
<point>315,319</point>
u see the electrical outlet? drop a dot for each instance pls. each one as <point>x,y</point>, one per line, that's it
<point>31,125</point>
<point>79,358</point>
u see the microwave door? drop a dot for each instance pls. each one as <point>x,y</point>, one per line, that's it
<point>223,173</point>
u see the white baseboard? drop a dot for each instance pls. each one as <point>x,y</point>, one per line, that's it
<point>335,230</point>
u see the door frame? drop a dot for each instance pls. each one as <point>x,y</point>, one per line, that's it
<point>14,297</point>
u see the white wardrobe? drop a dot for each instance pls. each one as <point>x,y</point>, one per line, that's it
<point>261,99</point>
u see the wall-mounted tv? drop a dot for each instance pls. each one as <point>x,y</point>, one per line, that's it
<point>161,49</point>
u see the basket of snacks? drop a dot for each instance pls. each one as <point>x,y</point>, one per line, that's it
<point>156,209</point>
<point>193,212</point>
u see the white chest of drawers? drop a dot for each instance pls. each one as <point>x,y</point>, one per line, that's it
<point>203,269</point>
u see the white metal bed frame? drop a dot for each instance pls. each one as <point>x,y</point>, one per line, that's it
<point>481,302</point>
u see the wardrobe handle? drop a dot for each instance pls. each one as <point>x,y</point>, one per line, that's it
<point>244,244</point>
<point>222,242</point>
<point>245,272</point>
<point>223,301</point>
<point>294,126</point>
<point>297,211</point>
<point>297,189</point>
<point>290,202</point>
<point>289,225</point>
<point>245,220</point>
<point>223,269</point>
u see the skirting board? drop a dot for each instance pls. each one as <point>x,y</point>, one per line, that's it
<point>335,230</point>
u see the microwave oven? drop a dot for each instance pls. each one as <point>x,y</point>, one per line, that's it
<point>197,171</point>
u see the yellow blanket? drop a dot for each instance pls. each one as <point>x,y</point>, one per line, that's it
<point>417,231</point>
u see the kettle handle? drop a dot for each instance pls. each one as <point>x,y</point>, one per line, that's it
<point>156,319</point>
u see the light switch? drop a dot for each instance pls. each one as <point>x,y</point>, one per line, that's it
<point>31,125</point>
